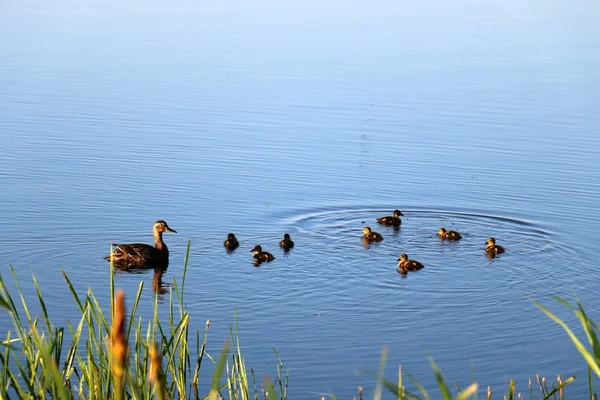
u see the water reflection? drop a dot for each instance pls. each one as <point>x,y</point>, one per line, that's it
<point>158,285</point>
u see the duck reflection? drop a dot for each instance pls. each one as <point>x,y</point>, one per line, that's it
<point>158,286</point>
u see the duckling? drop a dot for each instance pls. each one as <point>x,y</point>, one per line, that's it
<point>405,265</point>
<point>391,220</point>
<point>231,243</point>
<point>450,235</point>
<point>260,255</point>
<point>286,243</point>
<point>492,249</point>
<point>370,236</point>
<point>139,255</point>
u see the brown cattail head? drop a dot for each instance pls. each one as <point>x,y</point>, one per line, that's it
<point>155,365</point>
<point>118,341</point>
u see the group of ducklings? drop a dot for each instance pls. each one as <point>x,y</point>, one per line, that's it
<point>404,263</point>
<point>260,256</point>
<point>139,255</point>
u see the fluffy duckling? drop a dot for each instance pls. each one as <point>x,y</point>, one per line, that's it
<point>450,235</point>
<point>286,243</point>
<point>260,255</point>
<point>231,243</point>
<point>391,220</point>
<point>405,265</point>
<point>492,249</point>
<point>140,255</point>
<point>369,236</point>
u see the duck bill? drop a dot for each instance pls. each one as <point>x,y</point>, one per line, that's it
<point>170,230</point>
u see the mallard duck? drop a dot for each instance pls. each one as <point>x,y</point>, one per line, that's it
<point>405,265</point>
<point>231,243</point>
<point>370,236</point>
<point>391,220</point>
<point>492,248</point>
<point>450,235</point>
<point>140,255</point>
<point>260,255</point>
<point>286,243</point>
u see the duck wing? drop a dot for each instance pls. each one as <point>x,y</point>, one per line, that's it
<point>136,254</point>
<point>389,220</point>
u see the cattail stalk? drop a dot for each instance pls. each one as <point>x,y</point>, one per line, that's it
<point>155,374</point>
<point>118,343</point>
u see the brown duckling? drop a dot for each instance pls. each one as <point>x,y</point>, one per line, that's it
<point>286,243</point>
<point>139,255</point>
<point>260,255</point>
<point>231,243</point>
<point>492,249</point>
<point>450,235</point>
<point>369,236</point>
<point>405,265</point>
<point>391,220</point>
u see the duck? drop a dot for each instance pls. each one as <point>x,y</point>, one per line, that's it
<point>391,220</point>
<point>369,236</point>
<point>405,265</point>
<point>140,255</point>
<point>231,243</point>
<point>492,249</point>
<point>286,243</point>
<point>260,255</point>
<point>450,235</point>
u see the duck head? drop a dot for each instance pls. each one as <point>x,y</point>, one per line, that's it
<point>161,226</point>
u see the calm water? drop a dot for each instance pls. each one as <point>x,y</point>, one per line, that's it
<point>314,118</point>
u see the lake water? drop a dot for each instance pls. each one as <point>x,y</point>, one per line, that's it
<point>314,118</point>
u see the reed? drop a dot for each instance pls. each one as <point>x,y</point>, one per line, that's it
<point>122,357</point>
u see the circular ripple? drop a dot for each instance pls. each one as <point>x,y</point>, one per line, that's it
<point>451,267</point>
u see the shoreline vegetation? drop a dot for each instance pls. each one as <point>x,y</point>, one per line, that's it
<point>118,356</point>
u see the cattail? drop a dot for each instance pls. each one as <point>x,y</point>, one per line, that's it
<point>155,373</point>
<point>560,391</point>
<point>489,394</point>
<point>118,342</point>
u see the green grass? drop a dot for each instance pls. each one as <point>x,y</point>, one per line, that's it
<point>118,356</point>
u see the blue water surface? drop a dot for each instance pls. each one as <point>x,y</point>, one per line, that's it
<point>315,118</point>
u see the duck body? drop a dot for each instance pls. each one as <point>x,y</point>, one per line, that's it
<point>370,237</point>
<point>141,255</point>
<point>287,242</point>
<point>261,256</point>
<point>405,265</point>
<point>231,243</point>
<point>493,249</point>
<point>450,235</point>
<point>391,220</point>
